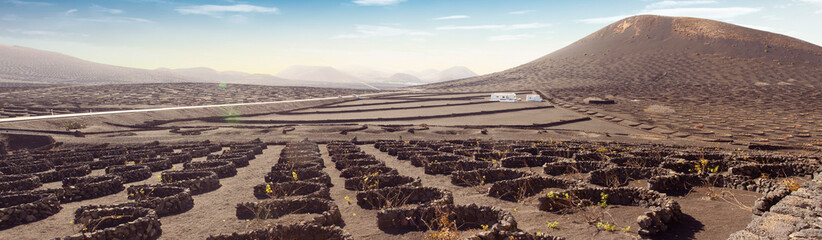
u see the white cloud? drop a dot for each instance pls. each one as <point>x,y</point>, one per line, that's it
<point>45,34</point>
<point>452,17</point>
<point>10,18</point>
<point>498,26</point>
<point>377,2</point>
<point>116,20</point>
<point>510,37</point>
<point>216,10</point>
<point>71,12</point>
<point>521,12</point>
<point>367,31</point>
<point>27,3</point>
<point>151,1</point>
<point>140,20</point>
<point>471,27</point>
<point>709,13</point>
<point>32,32</point>
<point>814,2</point>
<point>674,4</point>
<point>781,6</point>
<point>528,26</point>
<point>811,1</point>
<point>39,33</point>
<point>98,8</point>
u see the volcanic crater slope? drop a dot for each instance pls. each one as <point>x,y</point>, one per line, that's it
<point>713,80</point>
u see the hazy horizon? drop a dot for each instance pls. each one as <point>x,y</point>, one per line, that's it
<point>400,35</point>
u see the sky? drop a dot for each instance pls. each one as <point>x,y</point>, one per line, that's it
<point>392,35</point>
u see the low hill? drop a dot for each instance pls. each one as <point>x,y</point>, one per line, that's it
<point>317,74</point>
<point>458,72</point>
<point>453,73</point>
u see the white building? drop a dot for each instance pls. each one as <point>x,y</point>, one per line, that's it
<point>533,98</point>
<point>504,97</point>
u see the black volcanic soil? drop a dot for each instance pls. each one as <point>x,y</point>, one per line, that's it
<point>721,81</point>
<point>214,212</point>
<point>33,100</point>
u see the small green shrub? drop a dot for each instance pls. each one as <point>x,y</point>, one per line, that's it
<point>74,125</point>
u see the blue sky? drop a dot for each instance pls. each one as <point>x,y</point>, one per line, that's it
<point>398,35</point>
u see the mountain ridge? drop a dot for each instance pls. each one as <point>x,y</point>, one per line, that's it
<point>747,86</point>
<point>24,65</point>
<point>650,50</point>
<point>38,66</point>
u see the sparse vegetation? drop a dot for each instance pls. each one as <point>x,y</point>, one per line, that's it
<point>443,227</point>
<point>606,226</point>
<point>791,184</point>
<point>553,225</point>
<point>74,125</point>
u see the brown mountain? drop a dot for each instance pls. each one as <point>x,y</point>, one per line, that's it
<point>203,74</point>
<point>717,77</point>
<point>639,49</point>
<point>21,64</point>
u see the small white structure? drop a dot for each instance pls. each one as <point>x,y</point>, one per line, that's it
<point>504,97</point>
<point>533,98</point>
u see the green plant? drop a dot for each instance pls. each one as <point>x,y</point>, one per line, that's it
<point>606,226</point>
<point>294,175</point>
<point>603,201</point>
<point>791,184</point>
<point>553,225</point>
<point>268,189</point>
<point>701,167</point>
<point>370,183</point>
<point>74,125</point>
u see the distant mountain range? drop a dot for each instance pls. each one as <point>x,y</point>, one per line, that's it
<point>28,65</point>
<point>432,76</point>
<point>364,74</point>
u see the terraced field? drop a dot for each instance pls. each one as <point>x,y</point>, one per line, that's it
<point>397,166</point>
<point>28,100</point>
